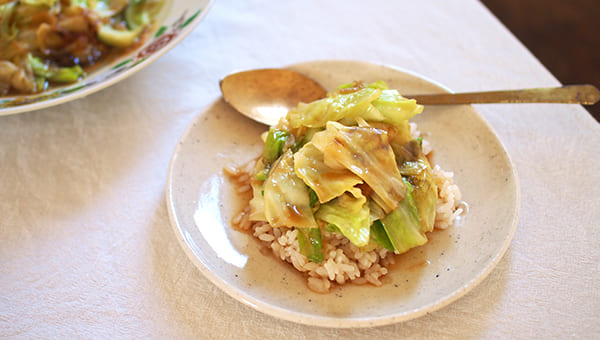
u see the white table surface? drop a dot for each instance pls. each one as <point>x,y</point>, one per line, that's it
<point>86,246</point>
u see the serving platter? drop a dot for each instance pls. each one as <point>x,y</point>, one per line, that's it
<point>177,20</point>
<point>201,203</point>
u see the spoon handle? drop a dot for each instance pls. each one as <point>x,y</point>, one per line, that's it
<point>574,94</point>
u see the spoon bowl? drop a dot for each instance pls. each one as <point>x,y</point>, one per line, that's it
<point>266,95</point>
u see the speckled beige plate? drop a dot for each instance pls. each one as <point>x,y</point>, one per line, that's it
<point>201,204</point>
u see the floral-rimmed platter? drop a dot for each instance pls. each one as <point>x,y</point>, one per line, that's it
<point>177,20</point>
<point>201,203</point>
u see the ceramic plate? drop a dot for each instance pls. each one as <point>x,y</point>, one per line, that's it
<point>201,204</point>
<point>177,20</point>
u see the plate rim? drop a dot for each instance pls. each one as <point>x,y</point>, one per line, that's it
<point>331,321</point>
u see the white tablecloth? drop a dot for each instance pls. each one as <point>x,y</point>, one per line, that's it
<point>86,248</point>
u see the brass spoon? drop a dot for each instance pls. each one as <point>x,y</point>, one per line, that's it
<point>265,95</point>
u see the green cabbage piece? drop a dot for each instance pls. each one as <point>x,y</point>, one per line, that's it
<point>274,144</point>
<point>66,74</point>
<point>56,74</point>
<point>379,84</point>
<point>319,112</point>
<point>38,67</point>
<point>48,3</point>
<point>301,140</point>
<point>402,225</point>
<point>414,166</point>
<point>394,108</point>
<point>310,243</point>
<point>140,12</point>
<point>286,197</point>
<point>374,103</point>
<point>102,8</point>
<point>8,27</point>
<point>375,211</point>
<point>350,214</point>
<point>117,38</point>
<point>332,228</point>
<point>366,153</point>
<point>420,176</point>
<point>79,3</point>
<point>312,195</point>
<point>379,236</point>
<point>326,182</point>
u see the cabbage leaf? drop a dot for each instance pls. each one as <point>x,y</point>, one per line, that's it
<point>286,197</point>
<point>326,182</point>
<point>350,214</point>
<point>394,108</point>
<point>8,26</point>
<point>333,108</point>
<point>420,176</point>
<point>140,12</point>
<point>53,73</point>
<point>274,144</point>
<point>374,102</point>
<point>47,3</point>
<point>366,153</point>
<point>379,236</point>
<point>403,226</point>
<point>118,38</point>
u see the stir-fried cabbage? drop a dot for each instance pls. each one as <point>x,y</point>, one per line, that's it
<point>45,42</point>
<point>347,164</point>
